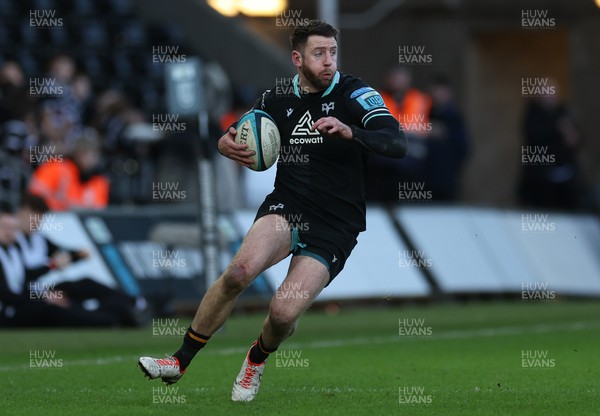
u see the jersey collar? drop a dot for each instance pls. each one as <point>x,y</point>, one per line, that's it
<point>336,79</point>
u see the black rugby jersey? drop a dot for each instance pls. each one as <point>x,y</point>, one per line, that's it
<point>326,175</point>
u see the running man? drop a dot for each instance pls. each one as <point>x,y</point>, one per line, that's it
<point>333,120</point>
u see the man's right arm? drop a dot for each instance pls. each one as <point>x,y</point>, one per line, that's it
<point>234,151</point>
<point>238,152</point>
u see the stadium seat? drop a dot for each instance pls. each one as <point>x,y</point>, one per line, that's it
<point>60,37</point>
<point>94,35</point>
<point>28,62</point>
<point>84,8</point>
<point>7,34</point>
<point>109,42</point>
<point>44,5</point>
<point>30,36</point>
<point>95,67</point>
<point>123,65</point>
<point>8,9</point>
<point>122,8</point>
<point>133,34</point>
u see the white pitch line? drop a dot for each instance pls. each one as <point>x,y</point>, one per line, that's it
<point>455,334</point>
<point>299,389</point>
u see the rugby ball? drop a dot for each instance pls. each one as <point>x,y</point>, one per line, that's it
<point>258,130</point>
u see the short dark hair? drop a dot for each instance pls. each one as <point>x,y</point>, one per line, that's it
<point>34,202</point>
<point>301,33</point>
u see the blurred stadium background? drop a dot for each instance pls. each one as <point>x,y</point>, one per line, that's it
<point>491,221</point>
<point>498,200</point>
<point>501,193</point>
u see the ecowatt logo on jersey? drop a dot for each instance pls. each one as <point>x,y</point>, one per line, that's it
<point>303,129</point>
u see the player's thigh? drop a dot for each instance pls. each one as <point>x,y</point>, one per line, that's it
<point>266,244</point>
<point>306,278</point>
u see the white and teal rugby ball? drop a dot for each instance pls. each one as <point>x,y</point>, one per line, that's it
<point>258,130</point>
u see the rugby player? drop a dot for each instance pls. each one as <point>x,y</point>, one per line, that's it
<point>333,120</point>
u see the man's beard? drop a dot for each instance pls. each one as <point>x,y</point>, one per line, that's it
<point>314,79</point>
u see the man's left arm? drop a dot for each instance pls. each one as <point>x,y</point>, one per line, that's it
<point>384,137</point>
<point>376,128</point>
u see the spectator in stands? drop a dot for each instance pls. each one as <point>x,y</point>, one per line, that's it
<point>61,120</point>
<point>550,173</point>
<point>75,182</point>
<point>38,251</point>
<point>83,94</point>
<point>411,107</point>
<point>12,272</point>
<point>114,113</point>
<point>17,133</point>
<point>133,154</point>
<point>40,255</point>
<point>25,301</point>
<point>15,101</point>
<point>405,102</point>
<point>11,74</point>
<point>447,143</point>
<point>15,306</point>
<point>62,67</point>
<point>15,169</point>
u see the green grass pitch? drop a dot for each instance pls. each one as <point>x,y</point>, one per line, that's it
<point>499,358</point>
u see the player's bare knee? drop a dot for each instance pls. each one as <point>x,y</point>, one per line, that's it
<point>237,277</point>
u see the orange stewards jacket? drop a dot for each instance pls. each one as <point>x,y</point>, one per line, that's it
<point>60,184</point>
<point>414,108</point>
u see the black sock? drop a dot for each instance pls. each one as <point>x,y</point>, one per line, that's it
<point>259,353</point>
<point>192,343</point>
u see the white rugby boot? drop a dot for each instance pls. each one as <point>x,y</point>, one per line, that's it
<point>247,383</point>
<point>167,368</point>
